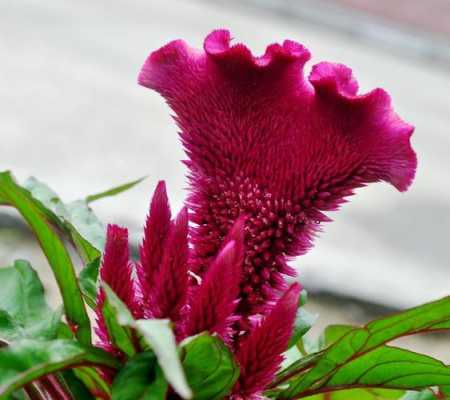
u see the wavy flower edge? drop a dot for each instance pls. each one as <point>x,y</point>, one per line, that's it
<point>264,141</point>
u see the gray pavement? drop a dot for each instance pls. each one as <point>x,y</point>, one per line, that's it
<point>72,114</point>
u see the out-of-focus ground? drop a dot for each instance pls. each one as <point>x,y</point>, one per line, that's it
<point>72,114</point>
<point>430,15</point>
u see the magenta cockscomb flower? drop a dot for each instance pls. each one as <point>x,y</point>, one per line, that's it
<point>155,234</point>
<point>213,303</point>
<point>161,288</point>
<point>168,292</point>
<point>208,306</point>
<point>116,271</point>
<point>259,354</point>
<point>266,142</point>
<point>269,152</point>
<point>163,268</point>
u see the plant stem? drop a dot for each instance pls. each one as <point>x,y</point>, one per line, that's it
<point>32,392</point>
<point>59,388</point>
<point>55,389</point>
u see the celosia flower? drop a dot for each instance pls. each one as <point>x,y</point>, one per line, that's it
<point>163,269</point>
<point>168,292</point>
<point>212,304</point>
<point>265,142</point>
<point>161,287</point>
<point>259,354</point>
<point>116,271</point>
<point>155,233</point>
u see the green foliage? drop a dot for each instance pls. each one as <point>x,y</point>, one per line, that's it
<point>360,394</point>
<point>424,395</point>
<point>141,378</point>
<point>75,220</point>
<point>88,282</point>
<point>304,320</point>
<point>27,360</point>
<point>75,385</point>
<point>120,333</point>
<point>332,334</point>
<point>359,357</point>
<point>57,255</point>
<point>391,367</point>
<point>114,191</point>
<point>210,367</point>
<point>158,335</point>
<point>348,362</point>
<point>24,312</point>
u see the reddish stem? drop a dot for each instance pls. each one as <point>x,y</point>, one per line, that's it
<point>32,391</point>
<point>54,388</point>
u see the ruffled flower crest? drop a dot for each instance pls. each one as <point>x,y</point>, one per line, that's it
<point>269,152</point>
<point>265,142</point>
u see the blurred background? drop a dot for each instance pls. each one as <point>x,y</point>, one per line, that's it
<point>72,115</point>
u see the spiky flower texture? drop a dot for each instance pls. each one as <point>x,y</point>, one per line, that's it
<point>268,152</point>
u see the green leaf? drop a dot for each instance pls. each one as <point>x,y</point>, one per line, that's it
<point>298,358</point>
<point>445,391</point>
<point>76,220</point>
<point>86,224</point>
<point>363,342</point>
<point>88,282</point>
<point>304,320</point>
<point>9,329</point>
<point>86,250</point>
<point>54,249</point>
<point>210,367</point>
<point>27,360</point>
<point>24,312</point>
<point>121,336</point>
<point>392,367</point>
<point>92,380</point>
<point>303,298</point>
<point>424,395</point>
<point>46,196</point>
<point>119,329</point>
<point>76,387</point>
<point>124,316</point>
<point>114,191</point>
<point>140,379</point>
<point>360,394</point>
<point>19,395</point>
<point>429,317</point>
<point>298,366</point>
<point>158,334</point>
<point>332,334</point>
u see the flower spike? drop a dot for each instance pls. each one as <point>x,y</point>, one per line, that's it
<point>212,304</point>
<point>155,233</point>
<point>267,142</point>
<point>115,270</point>
<point>168,294</point>
<point>260,353</point>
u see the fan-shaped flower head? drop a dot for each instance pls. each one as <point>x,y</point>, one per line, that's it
<point>265,141</point>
